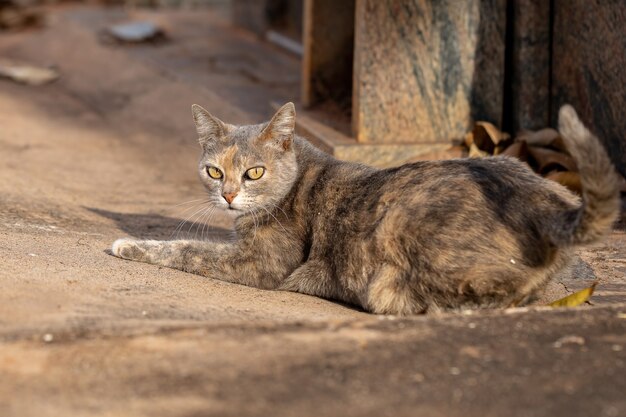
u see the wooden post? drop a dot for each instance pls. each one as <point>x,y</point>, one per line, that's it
<point>424,69</point>
<point>529,65</point>
<point>328,42</point>
<point>589,68</point>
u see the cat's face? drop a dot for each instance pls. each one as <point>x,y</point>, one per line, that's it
<point>247,168</point>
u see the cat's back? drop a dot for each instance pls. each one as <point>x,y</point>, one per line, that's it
<point>432,198</point>
<point>500,180</point>
<point>474,170</point>
<point>497,181</point>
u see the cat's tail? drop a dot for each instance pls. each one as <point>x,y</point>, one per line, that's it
<point>600,183</point>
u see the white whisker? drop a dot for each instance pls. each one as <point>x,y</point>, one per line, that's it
<point>195,205</point>
<point>195,222</point>
<point>199,221</point>
<point>281,209</point>
<point>188,202</point>
<point>207,219</point>
<point>255,225</point>
<point>183,222</point>
<point>270,213</point>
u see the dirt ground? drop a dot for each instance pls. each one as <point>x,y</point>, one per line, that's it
<point>109,150</point>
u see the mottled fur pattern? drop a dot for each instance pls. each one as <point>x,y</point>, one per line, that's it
<point>464,233</point>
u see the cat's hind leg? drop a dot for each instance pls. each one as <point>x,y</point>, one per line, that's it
<point>312,278</point>
<point>390,292</point>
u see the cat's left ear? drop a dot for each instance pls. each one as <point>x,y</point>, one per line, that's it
<point>280,130</point>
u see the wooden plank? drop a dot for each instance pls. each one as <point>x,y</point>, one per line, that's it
<point>589,68</point>
<point>328,44</point>
<point>425,69</point>
<point>385,155</point>
<point>380,155</point>
<point>529,68</point>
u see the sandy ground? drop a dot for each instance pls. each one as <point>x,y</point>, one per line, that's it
<point>109,151</point>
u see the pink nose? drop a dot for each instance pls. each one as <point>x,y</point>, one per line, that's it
<point>229,197</point>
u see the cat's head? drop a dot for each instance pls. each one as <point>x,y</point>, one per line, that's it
<point>247,168</point>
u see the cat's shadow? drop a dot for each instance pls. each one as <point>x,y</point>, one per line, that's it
<point>159,227</point>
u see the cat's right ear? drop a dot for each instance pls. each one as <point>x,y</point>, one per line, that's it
<point>280,130</point>
<point>209,127</point>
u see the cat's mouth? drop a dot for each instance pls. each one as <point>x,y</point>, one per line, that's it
<point>232,209</point>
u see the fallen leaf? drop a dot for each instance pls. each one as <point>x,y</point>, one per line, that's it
<point>570,180</point>
<point>474,152</point>
<point>576,299</point>
<point>543,150</point>
<point>543,137</point>
<point>518,149</point>
<point>27,74</point>
<point>487,137</point>
<point>469,139</point>
<point>546,160</point>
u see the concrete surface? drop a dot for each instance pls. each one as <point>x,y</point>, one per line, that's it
<point>109,150</point>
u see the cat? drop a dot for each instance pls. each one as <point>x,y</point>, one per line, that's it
<point>422,237</point>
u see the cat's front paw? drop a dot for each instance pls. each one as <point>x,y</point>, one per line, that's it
<point>128,249</point>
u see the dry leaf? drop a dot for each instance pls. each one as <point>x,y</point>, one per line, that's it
<point>518,149</point>
<point>469,139</point>
<point>568,179</point>
<point>474,152</point>
<point>544,150</point>
<point>547,160</point>
<point>27,74</point>
<point>576,299</point>
<point>543,137</point>
<point>486,137</point>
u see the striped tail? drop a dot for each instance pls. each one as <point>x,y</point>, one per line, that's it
<point>600,181</point>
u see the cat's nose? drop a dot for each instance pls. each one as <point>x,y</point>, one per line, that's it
<point>229,197</point>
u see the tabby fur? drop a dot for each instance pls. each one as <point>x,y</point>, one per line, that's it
<point>425,236</point>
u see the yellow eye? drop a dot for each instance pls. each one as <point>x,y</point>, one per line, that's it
<point>255,173</point>
<point>214,173</point>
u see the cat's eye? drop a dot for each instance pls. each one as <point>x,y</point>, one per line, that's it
<point>214,173</point>
<point>255,173</point>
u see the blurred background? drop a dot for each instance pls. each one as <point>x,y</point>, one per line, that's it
<point>381,82</point>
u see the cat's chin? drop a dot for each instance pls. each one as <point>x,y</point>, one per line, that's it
<point>233,212</point>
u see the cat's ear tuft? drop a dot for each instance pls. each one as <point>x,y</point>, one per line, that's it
<point>209,127</point>
<point>280,129</point>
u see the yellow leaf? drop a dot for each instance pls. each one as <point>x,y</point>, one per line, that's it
<point>474,152</point>
<point>576,299</point>
<point>486,137</point>
<point>567,178</point>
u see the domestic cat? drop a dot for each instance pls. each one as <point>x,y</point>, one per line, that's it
<point>425,236</point>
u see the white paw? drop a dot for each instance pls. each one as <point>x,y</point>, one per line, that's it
<point>126,248</point>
